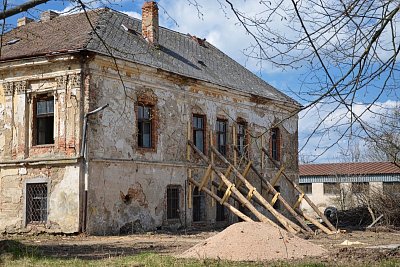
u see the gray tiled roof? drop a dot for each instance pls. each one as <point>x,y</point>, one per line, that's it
<point>178,53</point>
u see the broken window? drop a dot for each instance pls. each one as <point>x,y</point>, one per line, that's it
<point>36,203</point>
<point>145,126</point>
<point>221,210</point>
<point>331,188</point>
<point>241,138</point>
<point>306,187</point>
<point>221,136</point>
<point>275,144</point>
<point>44,120</point>
<point>199,131</point>
<point>199,206</point>
<point>172,202</point>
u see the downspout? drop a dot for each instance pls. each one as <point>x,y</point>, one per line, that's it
<point>84,156</point>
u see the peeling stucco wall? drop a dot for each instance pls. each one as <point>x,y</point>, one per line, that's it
<point>21,161</point>
<point>118,165</point>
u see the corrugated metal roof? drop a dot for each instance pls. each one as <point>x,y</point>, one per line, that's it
<point>350,179</point>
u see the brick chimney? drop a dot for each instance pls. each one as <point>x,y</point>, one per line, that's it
<point>23,21</point>
<point>48,15</point>
<point>150,22</point>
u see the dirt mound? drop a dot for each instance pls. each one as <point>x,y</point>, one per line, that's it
<point>253,241</point>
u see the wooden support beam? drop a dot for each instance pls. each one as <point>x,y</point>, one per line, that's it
<point>236,192</point>
<point>297,204</point>
<point>315,222</point>
<point>268,187</point>
<point>205,178</point>
<point>295,186</point>
<point>226,204</point>
<point>282,220</point>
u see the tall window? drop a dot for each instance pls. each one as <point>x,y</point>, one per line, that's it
<point>220,210</point>
<point>221,136</point>
<point>199,205</point>
<point>199,131</point>
<point>172,202</point>
<point>275,144</point>
<point>44,120</point>
<point>241,138</point>
<point>36,203</point>
<point>145,126</point>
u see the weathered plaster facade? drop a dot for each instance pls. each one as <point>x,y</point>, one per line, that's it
<point>126,184</point>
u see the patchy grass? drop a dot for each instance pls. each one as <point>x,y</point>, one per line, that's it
<point>14,253</point>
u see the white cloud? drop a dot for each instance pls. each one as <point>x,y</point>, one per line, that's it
<point>133,14</point>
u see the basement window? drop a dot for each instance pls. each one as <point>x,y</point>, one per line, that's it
<point>199,131</point>
<point>145,127</point>
<point>221,136</point>
<point>275,144</point>
<point>241,138</point>
<point>36,203</point>
<point>172,202</point>
<point>44,120</point>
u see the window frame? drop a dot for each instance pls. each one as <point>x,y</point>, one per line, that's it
<point>35,182</point>
<point>307,188</point>
<point>222,148</point>
<point>172,214</point>
<point>201,130</point>
<point>141,121</point>
<point>275,144</point>
<point>331,191</point>
<point>241,150</point>
<point>37,118</point>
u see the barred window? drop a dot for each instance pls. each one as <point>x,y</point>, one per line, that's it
<point>172,202</point>
<point>36,203</point>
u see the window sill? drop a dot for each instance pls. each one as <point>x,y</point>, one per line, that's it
<point>43,146</point>
<point>146,149</point>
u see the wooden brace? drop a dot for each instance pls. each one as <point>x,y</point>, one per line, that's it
<point>227,194</point>
<point>298,201</point>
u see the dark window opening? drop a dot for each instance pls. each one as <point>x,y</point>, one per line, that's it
<point>275,144</point>
<point>221,210</point>
<point>360,187</point>
<point>36,203</point>
<point>391,188</point>
<point>145,126</point>
<point>306,187</point>
<point>241,139</point>
<point>199,131</point>
<point>44,120</point>
<point>221,132</point>
<point>199,206</point>
<point>277,203</point>
<point>172,202</point>
<point>331,188</point>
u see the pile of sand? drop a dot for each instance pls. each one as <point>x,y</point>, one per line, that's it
<point>253,241</point>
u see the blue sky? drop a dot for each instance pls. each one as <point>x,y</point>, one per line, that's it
<point>218,25</point>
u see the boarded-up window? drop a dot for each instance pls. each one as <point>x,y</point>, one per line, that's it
<point>44,120</point>
<point>331,188</point>
<point>306,187</point>
<point>172,202</point>
<point>36,203</point>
